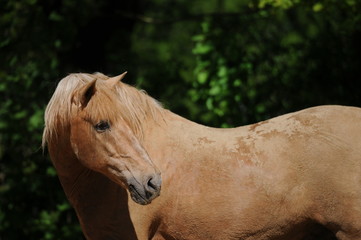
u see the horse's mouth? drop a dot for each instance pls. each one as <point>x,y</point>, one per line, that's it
<point>139,198</point>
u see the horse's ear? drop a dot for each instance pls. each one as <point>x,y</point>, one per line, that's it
<point>114,80</point>
<point>82,97</point>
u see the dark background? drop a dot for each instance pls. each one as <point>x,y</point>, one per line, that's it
<point>222,63</point>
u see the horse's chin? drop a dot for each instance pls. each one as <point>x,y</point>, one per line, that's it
<point>138,199</point>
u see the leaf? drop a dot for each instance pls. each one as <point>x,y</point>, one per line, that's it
<point>20,115</point>
<point>237,83</point>
<point>202,48</point>
<point>351,2</point>
<point>50,171</point>
<point>36,120</point>
<point>56,17</point>
<point>202,77</point>
<point>205,26</point>
<point>260,108</point>
<point>222,71</point>
<point>219,112</point>
<point>215,90</point>
<point>198,38</point>
<point>64,206</point>
<point>292,38</point>
<point>209,104</point>
<point>317,7</point>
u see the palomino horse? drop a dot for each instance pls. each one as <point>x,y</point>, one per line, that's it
<point>277,179</point>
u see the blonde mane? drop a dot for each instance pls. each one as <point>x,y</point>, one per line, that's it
<point>133,105</point>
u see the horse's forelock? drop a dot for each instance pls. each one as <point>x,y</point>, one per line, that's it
<point>59,108</point>
<point>136,108</point>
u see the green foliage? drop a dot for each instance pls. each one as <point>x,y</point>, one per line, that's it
<point>275,61</point>
<point>221,63</point>
<point>278,3</point>
<point>32,205</point>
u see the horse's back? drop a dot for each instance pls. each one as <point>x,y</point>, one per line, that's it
<point>277,179</point>
<point>308,165</point>
<point>331,152</point>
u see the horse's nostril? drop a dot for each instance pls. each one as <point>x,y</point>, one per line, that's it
<point>151,184</point>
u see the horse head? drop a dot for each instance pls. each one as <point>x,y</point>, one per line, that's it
<point>104,142</point>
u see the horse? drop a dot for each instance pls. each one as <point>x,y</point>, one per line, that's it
<point>132,169</point>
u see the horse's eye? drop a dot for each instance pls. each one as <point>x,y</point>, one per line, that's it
<point>102,126</point>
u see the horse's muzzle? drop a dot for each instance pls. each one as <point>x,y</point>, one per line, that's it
<point>144,193</point>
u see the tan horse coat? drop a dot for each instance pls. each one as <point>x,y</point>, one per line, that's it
<point>271,180</point>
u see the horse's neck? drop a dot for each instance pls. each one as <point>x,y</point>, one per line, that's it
<point>101,205</point>
<point>173,136</point>
<point>65,163</point>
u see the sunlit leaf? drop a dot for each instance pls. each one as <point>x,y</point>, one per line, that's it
<point>317,7</point>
